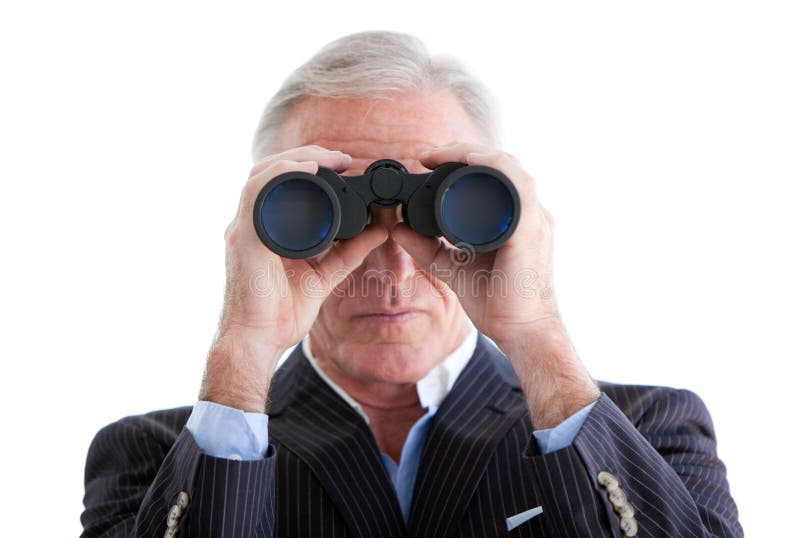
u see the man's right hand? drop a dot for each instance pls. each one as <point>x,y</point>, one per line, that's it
<point>271,302</point>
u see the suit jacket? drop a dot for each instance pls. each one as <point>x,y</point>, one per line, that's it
<point>323,475</point>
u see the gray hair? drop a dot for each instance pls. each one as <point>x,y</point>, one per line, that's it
<point>374,65</point>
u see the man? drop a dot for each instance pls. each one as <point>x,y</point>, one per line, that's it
<point>397,416</point>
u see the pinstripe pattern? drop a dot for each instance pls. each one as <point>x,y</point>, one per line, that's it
<point>323,476</point>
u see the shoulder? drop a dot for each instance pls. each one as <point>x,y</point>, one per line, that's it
<point>645,405</point>
<point>637,402</point>
<point>159,427</point>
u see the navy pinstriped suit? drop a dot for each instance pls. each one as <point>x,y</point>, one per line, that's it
<point>323,475</point>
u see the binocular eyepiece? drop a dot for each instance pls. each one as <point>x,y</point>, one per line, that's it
<point>297,215</point>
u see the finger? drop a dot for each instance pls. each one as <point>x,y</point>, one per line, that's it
<point>335,160</point>
<point>506,163</point>
<point>430,253</point>
<point>452,153</point>
<point>254,185</point>
<point>346,255</point>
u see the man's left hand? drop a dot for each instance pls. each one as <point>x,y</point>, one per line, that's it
<point>508,293</point>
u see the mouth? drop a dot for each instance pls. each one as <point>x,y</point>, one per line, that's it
<point>397,316</point>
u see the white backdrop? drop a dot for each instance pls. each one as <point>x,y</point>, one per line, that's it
<point>664,138</point>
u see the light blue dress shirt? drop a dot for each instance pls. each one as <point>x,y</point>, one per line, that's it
<point>224,432</point>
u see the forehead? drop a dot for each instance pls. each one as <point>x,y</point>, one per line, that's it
<point>398,128</point>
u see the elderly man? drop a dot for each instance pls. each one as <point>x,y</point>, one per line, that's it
<point>397,416</point>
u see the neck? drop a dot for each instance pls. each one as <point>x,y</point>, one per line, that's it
<point>392,408</point>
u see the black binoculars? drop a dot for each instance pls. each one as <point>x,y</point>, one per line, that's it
<point>297,215</point>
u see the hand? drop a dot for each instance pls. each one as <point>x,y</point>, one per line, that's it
<point>271,302</point>
<point>508,293</point>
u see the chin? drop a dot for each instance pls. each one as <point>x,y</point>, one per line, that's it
<point>390,362</point>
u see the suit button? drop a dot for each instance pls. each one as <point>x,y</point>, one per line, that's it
<point>626,510</point>
<point>183,500</point>
<point>174,516</point>
<point>628,526</point>
<point>607,480</point>
<point>617,497</point>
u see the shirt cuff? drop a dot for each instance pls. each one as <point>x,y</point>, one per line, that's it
<point>561,436</point>
<point>224,432</point>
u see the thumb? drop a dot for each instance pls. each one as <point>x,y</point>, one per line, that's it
<point>346,255</point>
<point>431,253</point>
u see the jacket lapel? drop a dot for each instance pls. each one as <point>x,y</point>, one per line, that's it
<point>309,419</point>
<point>483,405</point>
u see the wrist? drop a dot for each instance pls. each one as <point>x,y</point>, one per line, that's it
<point>554,380</point>
<point>239,369</point>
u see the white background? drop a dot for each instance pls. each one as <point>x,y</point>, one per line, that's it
<point>664,138</point>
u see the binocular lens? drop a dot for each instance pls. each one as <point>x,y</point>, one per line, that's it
<point>477,208</point>
<point>297,214</point>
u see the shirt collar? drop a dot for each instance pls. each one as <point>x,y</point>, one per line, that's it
<point>431,389</point>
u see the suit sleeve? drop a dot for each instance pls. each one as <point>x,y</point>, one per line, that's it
<point>134,479</point>
<point>664,468</point>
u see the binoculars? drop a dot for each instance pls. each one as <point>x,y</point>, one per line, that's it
<point>297,214</point>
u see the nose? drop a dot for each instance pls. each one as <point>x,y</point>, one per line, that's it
<point>385,216</point>
<point>389,263</point>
